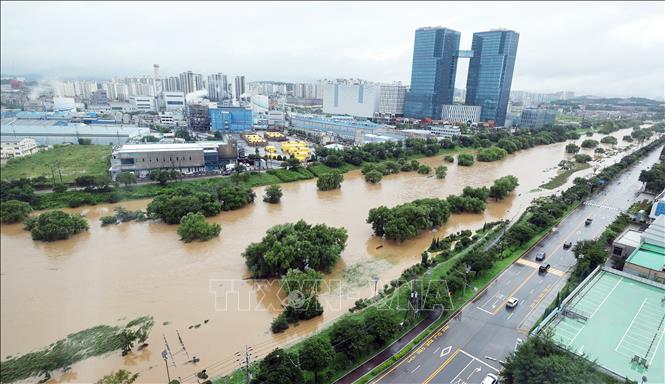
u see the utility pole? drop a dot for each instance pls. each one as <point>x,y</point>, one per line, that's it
<point>245,361</point>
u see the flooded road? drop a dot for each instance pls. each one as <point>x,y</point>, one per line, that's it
<point>115,273</point>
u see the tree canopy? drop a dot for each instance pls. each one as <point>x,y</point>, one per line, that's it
<point>55,225</point>
<point>329,181</point>
<point>287,246</point>
<point>14,211</point>
<point>193,226</point>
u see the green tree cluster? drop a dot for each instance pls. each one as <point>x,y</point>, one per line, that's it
<point>373,177</point>
<point>503,186</point>
<point>14,211</point>
<point>172,206</point>
<point>424,169</point>
<point>288,246</point>
<point>329,181</point>
<point>273,194</point>
<point>406,220</point>
<point>465,159</point>
<point>193,226</point>
<point>572,148</point>
<point>491,154</point>
<point>441,172</point>
<point>55,225</point>
<point>609,140</point>
<point>582,158</point>
<point>589,143</point>
<point>234,197</point>
<point>654,178</point>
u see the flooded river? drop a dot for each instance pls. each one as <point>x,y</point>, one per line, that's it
<point>112,274</point>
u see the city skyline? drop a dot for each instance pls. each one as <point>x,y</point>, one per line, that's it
<point>588,51</point>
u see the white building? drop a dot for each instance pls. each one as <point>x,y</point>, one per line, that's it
<point>277,119</point>
<point>447,131</point>
<point>172,101</point>
<point>391,99</point>
<point>360,100</point>
<point>217,87</point>
<point>20,148</point>
<point>260,103</point>
<point>456,113</point>
<point>143,103</point>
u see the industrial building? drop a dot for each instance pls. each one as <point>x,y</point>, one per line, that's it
<point>360,100</point>
<point>49,132</point>
<point>172,101</point>
<point>345,128</point>
<point>230,119</point>
<point>187,158</point>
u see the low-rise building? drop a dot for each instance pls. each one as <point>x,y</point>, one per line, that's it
<point>20,148</point>
<point>172,101</point>
<point>277,119</point>
<point>648,259</point>
<point>457,113</point>
<point>143,103</point>
<point>187,158</point>
<point>445,130</point>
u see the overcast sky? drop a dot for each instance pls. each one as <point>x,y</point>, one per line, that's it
<point>606,49</point>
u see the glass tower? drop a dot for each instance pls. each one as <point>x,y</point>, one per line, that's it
<point>432,72</point>
<point>491,73</point>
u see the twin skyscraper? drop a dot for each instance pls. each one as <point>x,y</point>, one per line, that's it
<point>435,54</point>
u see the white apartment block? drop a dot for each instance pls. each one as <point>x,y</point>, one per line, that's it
<point>173,101</point>
<point>456,113</point>
<point>20,148</point>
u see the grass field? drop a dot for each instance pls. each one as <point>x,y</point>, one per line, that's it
<point>71,161</point>
<point>620,318</point>
<point>562,177</point>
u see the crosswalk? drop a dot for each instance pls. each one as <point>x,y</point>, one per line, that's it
<point>602,206</point>
<point>532,264</point>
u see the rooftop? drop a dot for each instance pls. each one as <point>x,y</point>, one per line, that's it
<point>650,256</point>
<point>630,237</point>
<point>611,318</point>
<point>168,147</point>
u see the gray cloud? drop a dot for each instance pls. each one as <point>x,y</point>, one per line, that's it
<point>608,49</point>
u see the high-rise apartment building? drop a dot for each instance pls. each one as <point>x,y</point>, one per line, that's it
<point>171,84</point>
<point>433,72</point>
<point>217,87</point>
<point>239,87</point>
<point>191,82</point>
<point>491,73</point>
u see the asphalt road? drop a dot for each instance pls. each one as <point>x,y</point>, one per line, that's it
<point>465,350</point>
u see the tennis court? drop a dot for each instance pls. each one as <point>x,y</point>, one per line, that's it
<point>619,321</point>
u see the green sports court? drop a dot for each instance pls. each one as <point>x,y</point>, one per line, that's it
<point>617,320</point>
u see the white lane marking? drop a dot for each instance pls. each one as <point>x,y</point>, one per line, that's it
<point>511,314</point>
<point>445,351</point>
<point>463,369</point>
<point>436,350</point>
<point>485,311</point>
<point>415,369</point>
<point>606,297</point>
<point>656,349</point>
<point>631,324</point>
<point>474,372</point>
<point>480,361</point>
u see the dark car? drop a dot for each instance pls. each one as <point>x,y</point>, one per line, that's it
<point>567,244</point>
<point>540,256</point>
<point>588,221</point>
<point>544,268</point>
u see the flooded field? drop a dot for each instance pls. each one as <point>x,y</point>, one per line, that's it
<point>111,274</point>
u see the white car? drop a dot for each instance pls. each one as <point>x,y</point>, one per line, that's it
<point>512,302</point>
<point>490,379</point>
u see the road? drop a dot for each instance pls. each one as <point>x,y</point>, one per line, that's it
<point>465,350</point>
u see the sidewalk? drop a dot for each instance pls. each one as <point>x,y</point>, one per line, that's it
<point>388,352</point>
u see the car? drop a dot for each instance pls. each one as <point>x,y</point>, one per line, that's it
<point>544,268</point>
<point>588,221</point>
<point>512,302</point>
<point>567,244</point>
<point>490,379</point>
<point>540,256</point>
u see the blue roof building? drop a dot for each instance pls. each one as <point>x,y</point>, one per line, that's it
<point>230,119</point>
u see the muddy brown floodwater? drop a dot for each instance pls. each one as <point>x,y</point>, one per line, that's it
<point>111,274</point>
